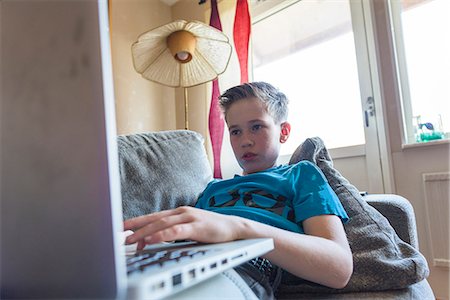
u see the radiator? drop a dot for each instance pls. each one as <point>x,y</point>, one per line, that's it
<point>437,199</point>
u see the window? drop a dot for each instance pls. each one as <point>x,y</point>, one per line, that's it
<point>422,38</point>
<point>307,50</point>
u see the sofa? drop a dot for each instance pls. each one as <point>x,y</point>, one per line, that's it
<point>163,170</point>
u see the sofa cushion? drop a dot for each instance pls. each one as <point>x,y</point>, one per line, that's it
<point>417,291</point>
<point>381,259</point>
<point>161,170</point>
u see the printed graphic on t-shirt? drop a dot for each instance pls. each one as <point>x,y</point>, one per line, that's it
<point>278,205</point>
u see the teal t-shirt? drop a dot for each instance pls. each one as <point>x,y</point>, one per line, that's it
<point>282,196</point>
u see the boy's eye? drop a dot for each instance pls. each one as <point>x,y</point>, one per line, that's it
<point>256,127</point>
<point>235,132</point>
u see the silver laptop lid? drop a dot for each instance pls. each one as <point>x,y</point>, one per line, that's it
<point>58,158</point>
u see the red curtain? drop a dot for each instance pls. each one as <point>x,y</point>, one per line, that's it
<point>216,123</point>
<point>241,34</point>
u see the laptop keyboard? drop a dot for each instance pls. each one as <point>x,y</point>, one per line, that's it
<point>147,259</point>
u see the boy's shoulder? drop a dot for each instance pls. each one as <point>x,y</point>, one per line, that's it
<point>300,170</point>
<point>299,166</point>
<point>304,163</point>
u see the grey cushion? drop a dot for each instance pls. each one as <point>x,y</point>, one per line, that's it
<point>381,259</point>
<point>417,291</point>
<point>161,170</point>
<point>399,212</point>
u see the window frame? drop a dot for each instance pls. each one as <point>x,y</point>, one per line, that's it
<point>395,10</point>
<point>399,53</point>
<point>264,10</point>
<point>377,148</point>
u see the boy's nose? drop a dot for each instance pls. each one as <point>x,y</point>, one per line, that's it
<point>246,141</point>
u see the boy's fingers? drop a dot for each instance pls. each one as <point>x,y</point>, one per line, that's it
<point>176,232</point>
<point>161,226</point>
<point>140,245</point>
<point>141,221</point>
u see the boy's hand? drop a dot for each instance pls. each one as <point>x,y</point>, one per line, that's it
<point>180,224</point>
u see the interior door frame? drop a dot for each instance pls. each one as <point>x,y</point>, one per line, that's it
<point>377,148</point>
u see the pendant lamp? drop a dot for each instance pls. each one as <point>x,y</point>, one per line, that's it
<point>181,54</point>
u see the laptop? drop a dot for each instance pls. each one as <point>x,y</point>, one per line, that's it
<point>173,267</point>
<point>60,205</point>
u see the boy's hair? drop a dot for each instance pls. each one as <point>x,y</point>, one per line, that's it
<point>276,102</point>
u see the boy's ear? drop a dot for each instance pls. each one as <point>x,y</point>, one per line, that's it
<point>285,131</point>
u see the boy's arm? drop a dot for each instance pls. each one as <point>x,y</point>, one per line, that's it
<point>322,255</point>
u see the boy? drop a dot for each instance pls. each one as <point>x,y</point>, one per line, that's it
<point>293,204</point>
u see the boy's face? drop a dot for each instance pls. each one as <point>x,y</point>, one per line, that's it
<point>254,135</point>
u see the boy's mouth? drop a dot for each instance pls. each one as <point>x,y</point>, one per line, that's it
<point>248,156</point>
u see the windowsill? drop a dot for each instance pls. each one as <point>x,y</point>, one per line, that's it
<point>426,144</point>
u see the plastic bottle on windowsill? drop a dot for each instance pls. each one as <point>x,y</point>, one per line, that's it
<point>428,133</point>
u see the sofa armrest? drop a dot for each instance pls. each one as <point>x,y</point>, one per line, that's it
<point>399,213</point>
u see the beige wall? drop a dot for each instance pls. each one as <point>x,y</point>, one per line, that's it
<point>141,105</point>
<point>409,165</point>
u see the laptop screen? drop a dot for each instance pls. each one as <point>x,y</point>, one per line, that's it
<point>59,184</point>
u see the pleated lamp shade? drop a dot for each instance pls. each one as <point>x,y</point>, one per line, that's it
<point>181,54</point>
